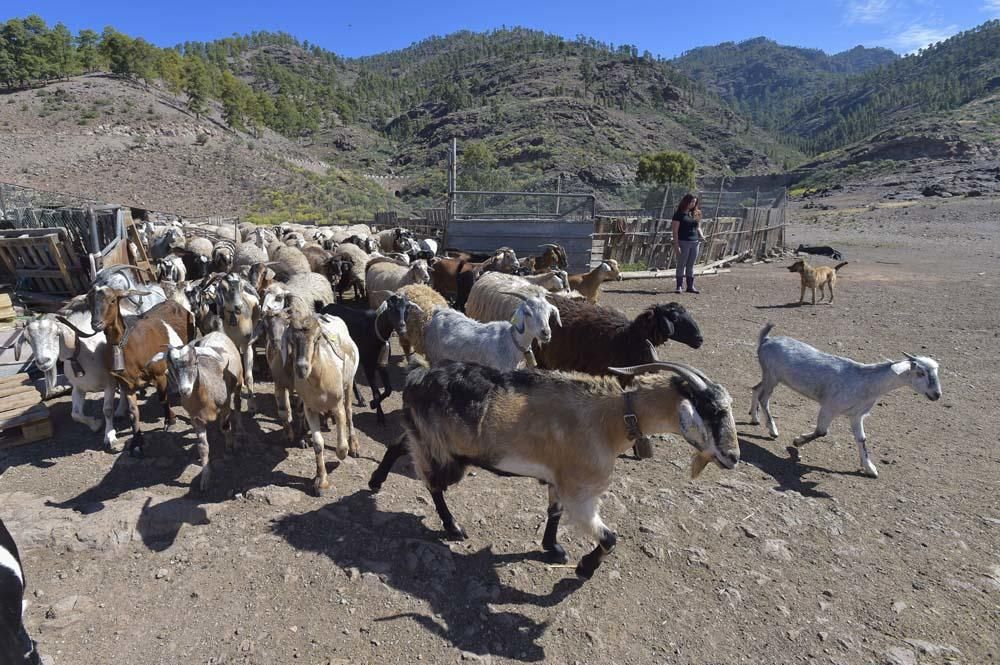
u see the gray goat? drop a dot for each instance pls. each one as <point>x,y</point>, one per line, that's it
<point>502,345</point>
<point>841,386</point>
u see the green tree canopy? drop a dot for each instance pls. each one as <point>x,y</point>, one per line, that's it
<point>197,84</point>
<point>666,168</point>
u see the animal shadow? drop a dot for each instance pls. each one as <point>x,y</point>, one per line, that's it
<point>460,588</point>
<point>787,472</point>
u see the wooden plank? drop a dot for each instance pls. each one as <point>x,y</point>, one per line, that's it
<point>14,404</point>
<point>32,425</point>
<point>20,379</point>
<point>31,413</point>
<point>14,389</point>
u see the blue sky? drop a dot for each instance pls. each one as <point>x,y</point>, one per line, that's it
<point>664,28</point>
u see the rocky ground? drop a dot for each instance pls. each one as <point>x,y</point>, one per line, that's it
<point>777,561</point>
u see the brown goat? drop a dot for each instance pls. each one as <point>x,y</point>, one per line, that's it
<point>130,346</point>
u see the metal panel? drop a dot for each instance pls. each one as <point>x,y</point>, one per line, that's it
<point>524,236</point>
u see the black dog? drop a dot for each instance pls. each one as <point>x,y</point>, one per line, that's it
<point>820,250</point>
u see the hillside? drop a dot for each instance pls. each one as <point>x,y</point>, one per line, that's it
<point>765,79</point>
<point>543,108</point>
<point>111,140</point>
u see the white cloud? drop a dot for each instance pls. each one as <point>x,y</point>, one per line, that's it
<point>992,7</point>
<point>918,36</point>
<point>870,11</point>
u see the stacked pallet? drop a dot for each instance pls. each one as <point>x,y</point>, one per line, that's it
<point>23,416</point>
<point>7,313</point>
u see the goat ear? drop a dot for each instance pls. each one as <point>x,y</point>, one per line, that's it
<point>137,292</point>
<point>517,320</point>
<point>212,354</point>
<point>19,345</point>
<point>691,424</point>
<point>158,357</point>
<point>258,330</point>
<point>555,313</point>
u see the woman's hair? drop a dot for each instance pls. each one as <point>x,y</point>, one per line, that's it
<point>685,202</point>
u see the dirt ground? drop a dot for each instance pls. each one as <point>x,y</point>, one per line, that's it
<point>777,561</point>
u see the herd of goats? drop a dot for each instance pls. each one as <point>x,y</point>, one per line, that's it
<point>490,330</point>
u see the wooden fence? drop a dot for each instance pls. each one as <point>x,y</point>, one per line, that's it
<point>638,240</point>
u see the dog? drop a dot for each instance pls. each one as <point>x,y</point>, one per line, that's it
<point>820,250</point>
<point>816,277</point>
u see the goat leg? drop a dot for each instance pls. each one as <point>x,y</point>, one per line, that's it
<point>455,532</point>
<point>77,413</point>
<point>110,435</point>
<point>206,470</point>
<point>392,453</point>
<point>590,562</point>
<point>357,395</point>
<point>161,392</point>
<point>554,552</point>
<point>822,427</point>
<point>858,428</point>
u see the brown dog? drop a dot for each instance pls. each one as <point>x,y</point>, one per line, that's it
<point>815,277</point>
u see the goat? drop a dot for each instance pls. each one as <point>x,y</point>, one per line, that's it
<point>820,250</point>
<point>130,346</point>
<point>122,277</point>
<point>451,335</point>
<point>16,646</point>
<point>383,276</point>
<point>424,301</point>
<point>170,268</point>
<point>271,327</point>
<point>165,241</point>
<point>841,386</point>
<point>589,283</point>
<point>554,256</point>
<point>445,270</point>
<point>371,330</point>
<point>55,337</point>
<point>239,308</point>
<point>393,240</point>
<point>325,360</point>
<point>563,429</point>
<point>195,265</point>
<point>209,377</point>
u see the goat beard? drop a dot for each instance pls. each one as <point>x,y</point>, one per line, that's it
<point>699,461</point>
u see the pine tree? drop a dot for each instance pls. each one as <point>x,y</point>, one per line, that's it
<point>62,55</point>
<point>171,70</point>
<point>86,50</point>
<point>196,84</point>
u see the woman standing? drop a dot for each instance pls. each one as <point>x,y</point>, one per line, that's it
<point>686,226</point>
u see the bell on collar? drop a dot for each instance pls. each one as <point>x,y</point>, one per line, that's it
<point>118,358</point>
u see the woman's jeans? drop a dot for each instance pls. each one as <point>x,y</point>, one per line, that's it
<point>686,260</point>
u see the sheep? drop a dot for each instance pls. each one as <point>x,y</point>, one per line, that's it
<point>223,256</point>
<point>209,377</point>
<point>170,268</point>
<point>428,249</point>
<point>451,335</point>
<point>393,240</point>
<point>371,330</point>
<point>351,268</point>
<point>593,338</point>
<point>563,429</point>
<point>271,327</point>
<point>424,300</point>
<point>325,360</point>
<point>841,386</point>
<point>165,240</point>
<point>288,261</point>
<point>491,298</point>
<point>238,305</point>
<point>202,247</point>
<point>16,646</point>
<point>248,254</point>
<point>589,283</point>
<point>318,257</point>
<point>311,289</point>
<point>132,346</point>
<point>383,276</point>
<point>367,243</point>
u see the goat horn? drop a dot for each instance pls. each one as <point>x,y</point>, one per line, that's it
<point>652,350</point>
<point>549,244</point>
<point>684,371</point>
<point>520,296</point>
<point>79,333</point>
<point>911,357</point>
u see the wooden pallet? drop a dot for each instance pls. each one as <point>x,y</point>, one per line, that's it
<point>7,313</point>
<point>23,416</point>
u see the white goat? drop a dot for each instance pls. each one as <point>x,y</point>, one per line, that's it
<point>841,386</point>
<point>325,360</point>
<point>503,345</point>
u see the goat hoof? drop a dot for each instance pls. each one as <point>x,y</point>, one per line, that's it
<point>354,452</point>
<point>456,532</point>
<point>341,453</point>
<point>374,487</point>
<point>319,490</point>
<point>373,404</point>
<point>870,471</point>
<point>136,451</point>
<point>584,572</point>
<point>167,424</point>
<point>556,554</point>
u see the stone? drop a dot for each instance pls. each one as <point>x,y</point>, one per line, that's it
<point>776,549</point>
<point>900,656</point>
<point>933,650</point>
<point>274,495</point>
<point>899,606</point>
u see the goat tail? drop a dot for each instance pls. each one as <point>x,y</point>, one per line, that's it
<point>764,332</point>
<point>839,266</point>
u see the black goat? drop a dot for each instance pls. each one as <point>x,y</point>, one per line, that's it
<point>371,329</point>
<point>820,250</point>
<point>16,646</point>
<point>195,264</point>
